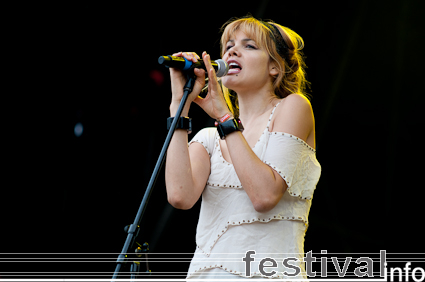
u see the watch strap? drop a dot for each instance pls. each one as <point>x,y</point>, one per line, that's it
<point>229,126</point>
<point>183,123</point>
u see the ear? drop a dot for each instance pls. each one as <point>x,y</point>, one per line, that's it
<point>273,69</point>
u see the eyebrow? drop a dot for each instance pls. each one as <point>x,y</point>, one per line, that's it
<point>243,40</point>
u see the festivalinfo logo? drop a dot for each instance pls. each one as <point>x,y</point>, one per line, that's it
<point>364,268</point>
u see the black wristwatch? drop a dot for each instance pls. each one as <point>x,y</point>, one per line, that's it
<point>229,126</point>
<point>183,123</point>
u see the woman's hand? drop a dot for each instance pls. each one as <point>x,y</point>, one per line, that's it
<point>213,104</point>
<point>178,80</point>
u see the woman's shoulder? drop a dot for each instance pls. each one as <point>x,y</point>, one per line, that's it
<point>296,100</point>
<point>294,115</point>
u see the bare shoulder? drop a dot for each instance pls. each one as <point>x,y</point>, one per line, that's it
<point>295,116</point>
<point>296,101</point>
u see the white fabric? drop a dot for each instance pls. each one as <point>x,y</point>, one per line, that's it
<point>229,226</point>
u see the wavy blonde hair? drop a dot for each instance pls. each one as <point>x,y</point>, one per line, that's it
<point>291,67</point>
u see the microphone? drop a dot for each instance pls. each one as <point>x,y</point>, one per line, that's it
<point>220,66</point>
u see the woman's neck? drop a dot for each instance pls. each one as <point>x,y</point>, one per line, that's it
<point>253,104</point>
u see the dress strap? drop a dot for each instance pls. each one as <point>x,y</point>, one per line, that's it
<point>271,115</point>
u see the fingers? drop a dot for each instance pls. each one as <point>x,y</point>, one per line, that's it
<point>212,85</point>
<point>199,73</point>
<point>208,66</point>
<point>207,61</point>
<point>190,56</point>
<point>200,80</point>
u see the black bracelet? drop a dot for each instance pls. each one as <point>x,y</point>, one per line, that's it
<point>183,123</point>
<point>229,126</point>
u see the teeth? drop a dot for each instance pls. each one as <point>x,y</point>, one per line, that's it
<point>233,64</point>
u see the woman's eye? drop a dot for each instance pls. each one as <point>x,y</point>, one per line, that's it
<point>248,46</point>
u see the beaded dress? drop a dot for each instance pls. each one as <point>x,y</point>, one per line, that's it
<point>229,226</point>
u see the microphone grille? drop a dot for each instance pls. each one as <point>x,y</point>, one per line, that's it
<point>223,68</point>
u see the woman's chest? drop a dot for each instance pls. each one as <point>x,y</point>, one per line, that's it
<point>252,135</point>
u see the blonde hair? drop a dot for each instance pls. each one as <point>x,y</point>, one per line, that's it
<point>291,66</point>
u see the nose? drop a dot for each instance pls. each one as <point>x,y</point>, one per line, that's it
<point>233,51</point>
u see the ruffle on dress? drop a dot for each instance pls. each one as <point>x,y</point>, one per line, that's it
<point>295,161</point>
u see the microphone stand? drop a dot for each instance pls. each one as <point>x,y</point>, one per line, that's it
<point>134,228</point>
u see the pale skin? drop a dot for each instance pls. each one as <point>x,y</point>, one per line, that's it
<point>188,168</point>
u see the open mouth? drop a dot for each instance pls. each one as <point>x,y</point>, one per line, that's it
<point>234,67</point>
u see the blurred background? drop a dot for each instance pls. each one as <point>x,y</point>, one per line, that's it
<point>85,105</point>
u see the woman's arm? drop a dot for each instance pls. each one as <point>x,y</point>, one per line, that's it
<point>264,186</point>
<point>186,169</point>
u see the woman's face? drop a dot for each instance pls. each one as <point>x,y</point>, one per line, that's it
<point>249,65</point>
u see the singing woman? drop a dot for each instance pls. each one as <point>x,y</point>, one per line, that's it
<point>257,169</point>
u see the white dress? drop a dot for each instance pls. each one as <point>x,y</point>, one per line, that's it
<point>229,226</point>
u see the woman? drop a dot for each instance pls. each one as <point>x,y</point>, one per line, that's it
<point>257,182</point>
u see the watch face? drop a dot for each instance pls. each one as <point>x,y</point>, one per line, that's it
<point>227,127</point>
